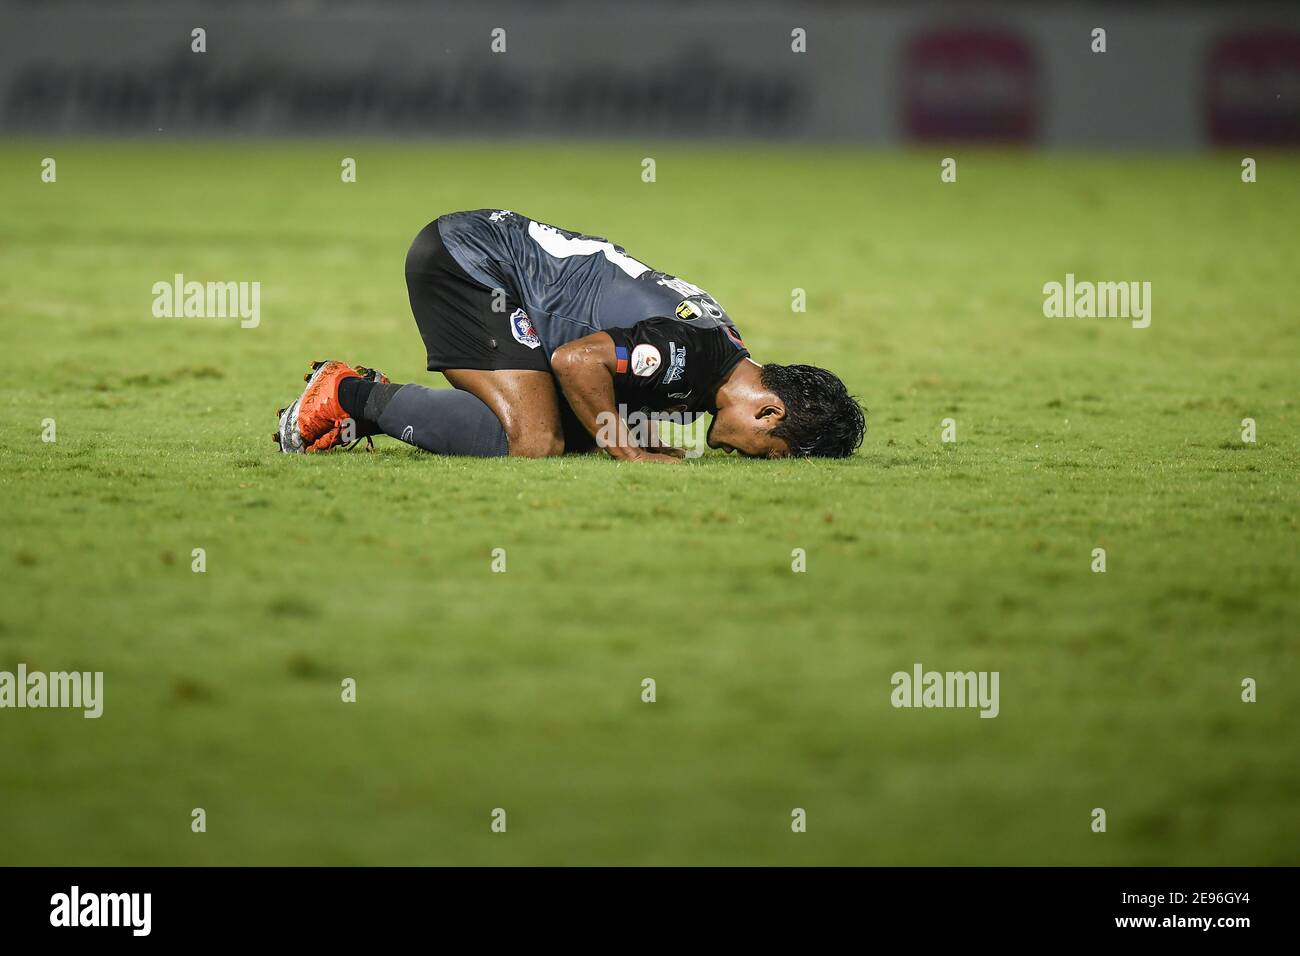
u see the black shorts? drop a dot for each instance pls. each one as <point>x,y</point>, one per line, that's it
<point>455,313</point>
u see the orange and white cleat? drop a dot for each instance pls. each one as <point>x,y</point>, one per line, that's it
<point>315,420</point>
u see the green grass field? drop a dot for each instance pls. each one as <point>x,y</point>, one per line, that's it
<point>522,690</point>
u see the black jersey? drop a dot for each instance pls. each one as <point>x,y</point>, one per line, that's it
<point>674,343</point>
<point>671,365</point>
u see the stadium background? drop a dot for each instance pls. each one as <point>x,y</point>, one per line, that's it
<point>1173,76</point>
<point>775,170</point>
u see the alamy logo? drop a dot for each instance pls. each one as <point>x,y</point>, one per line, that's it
<point>75,908</point>
<point>923,688</point>
<point>82,690</point>
<point>212,300</point>
<point>1101,300</point>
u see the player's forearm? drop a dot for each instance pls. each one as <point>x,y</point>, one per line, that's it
<point>585,372</point>
<point>588,386</point>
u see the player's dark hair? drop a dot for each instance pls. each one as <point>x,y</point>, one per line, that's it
<point>822,420</point>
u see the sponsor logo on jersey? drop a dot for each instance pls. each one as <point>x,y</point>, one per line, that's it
<point>645,360</point>
<point>676,363</point>
<point>521,327</point>
<point>686,310</point>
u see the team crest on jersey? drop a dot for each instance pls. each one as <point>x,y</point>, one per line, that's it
<point>687,310</point>
<point>521,327</point>
<point>645,360</point>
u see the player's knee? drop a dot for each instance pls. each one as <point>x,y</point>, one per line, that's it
<point>535,444</point>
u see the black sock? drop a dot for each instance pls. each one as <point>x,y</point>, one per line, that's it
<point>364,401</point>
<point>380,395</point>
<point>353,393</point>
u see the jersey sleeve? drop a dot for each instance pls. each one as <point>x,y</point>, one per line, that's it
<point>668,363</point>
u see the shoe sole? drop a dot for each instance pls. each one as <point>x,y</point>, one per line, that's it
<point>287,435</point>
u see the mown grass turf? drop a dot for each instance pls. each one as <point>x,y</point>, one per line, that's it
<point>522,690</point>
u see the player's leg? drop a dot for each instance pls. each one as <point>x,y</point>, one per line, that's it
<point>505,400</point>
<point>342,403</point>
<point>525,402</point>
<point>480,339</point>
<point>489,413</point>
<point>444,421</point>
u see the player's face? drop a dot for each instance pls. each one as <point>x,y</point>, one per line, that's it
<point>746,433</point>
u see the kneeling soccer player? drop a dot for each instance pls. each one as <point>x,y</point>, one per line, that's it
<point>550,337</point>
